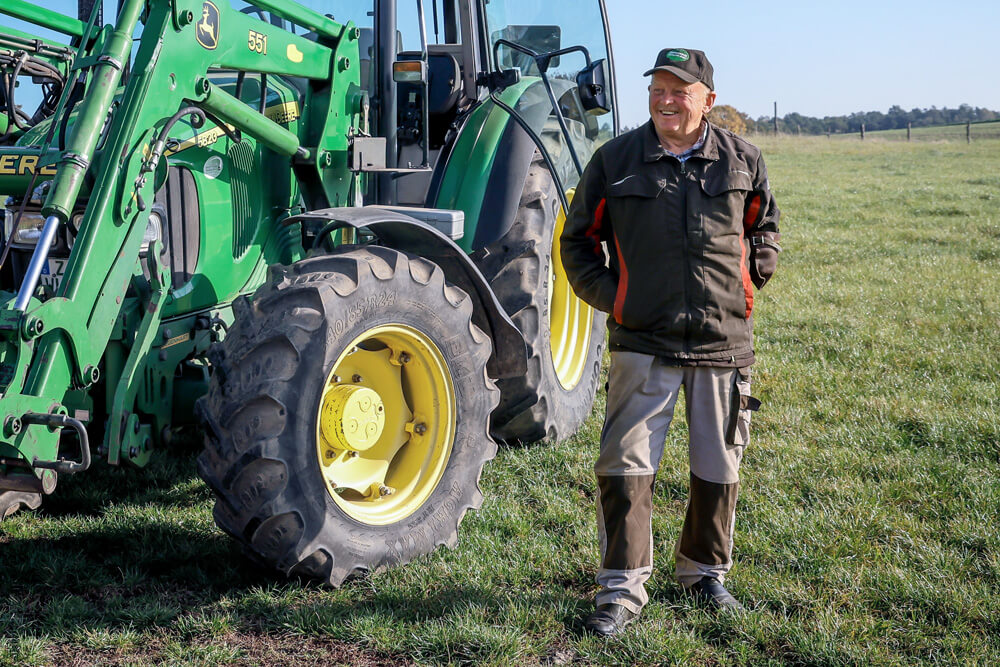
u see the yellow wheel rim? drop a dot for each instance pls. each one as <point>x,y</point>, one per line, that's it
<point>570,318</point>
<point>385,424</point>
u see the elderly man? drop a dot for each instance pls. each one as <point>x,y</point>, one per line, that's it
<point>689,225</point>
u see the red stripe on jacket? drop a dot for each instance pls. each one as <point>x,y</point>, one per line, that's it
<point>747,283</point>
<point>752,211</point>
<point>594,231</point>
<point>748,220</point>
<point>622,283</point>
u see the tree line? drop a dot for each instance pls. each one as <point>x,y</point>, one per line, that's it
<point>896,118</point>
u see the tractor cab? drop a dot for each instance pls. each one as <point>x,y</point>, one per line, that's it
<point>429,66</point>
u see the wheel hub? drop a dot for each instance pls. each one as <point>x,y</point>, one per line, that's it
<point>353,417</point>
<point>385,425</point>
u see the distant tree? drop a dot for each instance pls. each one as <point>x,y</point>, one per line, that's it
<point>731,119</point>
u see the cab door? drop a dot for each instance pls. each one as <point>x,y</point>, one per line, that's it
<point>549,45</point>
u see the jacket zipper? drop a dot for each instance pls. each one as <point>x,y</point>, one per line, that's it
<point>687,262</point>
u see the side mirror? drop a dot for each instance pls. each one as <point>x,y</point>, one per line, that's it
<point>591,82</point>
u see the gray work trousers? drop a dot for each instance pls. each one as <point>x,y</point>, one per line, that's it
<point>642,393</point>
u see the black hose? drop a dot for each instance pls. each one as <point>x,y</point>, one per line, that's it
<point>35,68</point>
<point>74,97</point>
<point>11,84</point>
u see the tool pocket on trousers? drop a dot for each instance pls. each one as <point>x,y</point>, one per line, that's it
<point>742,406</point>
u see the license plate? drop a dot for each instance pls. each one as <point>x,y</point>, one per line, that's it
<point>52,272</point>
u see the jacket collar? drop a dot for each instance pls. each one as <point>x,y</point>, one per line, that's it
<point>653,151</point>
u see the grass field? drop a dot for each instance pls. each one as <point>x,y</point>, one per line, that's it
<point>867,525</point>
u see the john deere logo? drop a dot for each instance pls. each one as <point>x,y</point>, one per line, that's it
<point>679,55</point>
<point>207,30</point>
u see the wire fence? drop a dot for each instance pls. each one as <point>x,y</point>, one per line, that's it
<point>957,132</point>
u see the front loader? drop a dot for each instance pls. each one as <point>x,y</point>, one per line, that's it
<point>328,234</point>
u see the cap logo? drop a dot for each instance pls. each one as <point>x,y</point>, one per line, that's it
<point>678,55</point>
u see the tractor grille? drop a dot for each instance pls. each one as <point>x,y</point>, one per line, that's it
<point>183,234</point>
<point>244,197</point>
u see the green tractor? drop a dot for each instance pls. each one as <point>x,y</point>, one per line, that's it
<point>328,234</point>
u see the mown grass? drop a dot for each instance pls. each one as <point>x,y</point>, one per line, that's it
<point>867,526</point>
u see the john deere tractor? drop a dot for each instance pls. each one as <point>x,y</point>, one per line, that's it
<point>327,233</point>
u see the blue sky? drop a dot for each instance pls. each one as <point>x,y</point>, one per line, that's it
<point>816,58</point>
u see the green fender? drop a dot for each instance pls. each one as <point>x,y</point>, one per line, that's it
<point>483,173</point>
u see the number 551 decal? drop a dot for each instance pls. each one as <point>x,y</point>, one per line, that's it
<point>257,42</point>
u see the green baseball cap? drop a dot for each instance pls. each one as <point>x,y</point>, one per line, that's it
<point>686,64</point>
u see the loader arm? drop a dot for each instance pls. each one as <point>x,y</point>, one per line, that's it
<point>49,349</point>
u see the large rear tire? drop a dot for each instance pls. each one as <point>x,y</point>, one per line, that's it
<point>565,336</point>
<point>347,418</point>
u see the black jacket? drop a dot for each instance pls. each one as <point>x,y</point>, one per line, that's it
<point>687,242</point>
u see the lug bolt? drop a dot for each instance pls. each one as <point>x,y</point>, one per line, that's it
<point>13,425</point>
<point>335,378</point>
<point>404,357</point>
<point>354,455</point>
<point>33,327</point>
<point>384,490</point>
<point>135,427</point>
<point>132,451</point>
<point>420,428</point>
<point>356,379</point>
<point>330,453</point>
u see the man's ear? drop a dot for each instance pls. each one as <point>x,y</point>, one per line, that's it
<point>709,101</point>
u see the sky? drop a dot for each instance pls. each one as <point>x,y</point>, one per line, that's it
<point>814,58</point>
<point>817,58</point>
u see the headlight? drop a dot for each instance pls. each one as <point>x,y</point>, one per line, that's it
<point>28,231</point>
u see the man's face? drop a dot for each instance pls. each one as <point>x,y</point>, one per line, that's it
<point>677,107</point>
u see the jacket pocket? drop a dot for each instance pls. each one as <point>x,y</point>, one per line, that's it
<point>741,409</point>
<point>635,185</point>
<point>715,184</point>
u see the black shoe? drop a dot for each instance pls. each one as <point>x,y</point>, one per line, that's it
<point>609,619</point>
<point>711,591</point>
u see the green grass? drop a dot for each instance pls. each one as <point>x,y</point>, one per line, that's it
<point>866,531</point>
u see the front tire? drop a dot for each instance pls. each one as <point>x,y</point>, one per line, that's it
<point>347,419</point>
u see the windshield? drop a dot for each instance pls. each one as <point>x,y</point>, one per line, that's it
<point>544,28</point>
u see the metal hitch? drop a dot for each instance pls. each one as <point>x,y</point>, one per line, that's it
<point>54,421</point>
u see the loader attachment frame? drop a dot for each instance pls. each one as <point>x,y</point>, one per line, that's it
<point>50,349</point>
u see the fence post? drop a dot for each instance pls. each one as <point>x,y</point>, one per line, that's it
<point>908,125</point>
<point>862,131</point>
<point>968,132</point>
